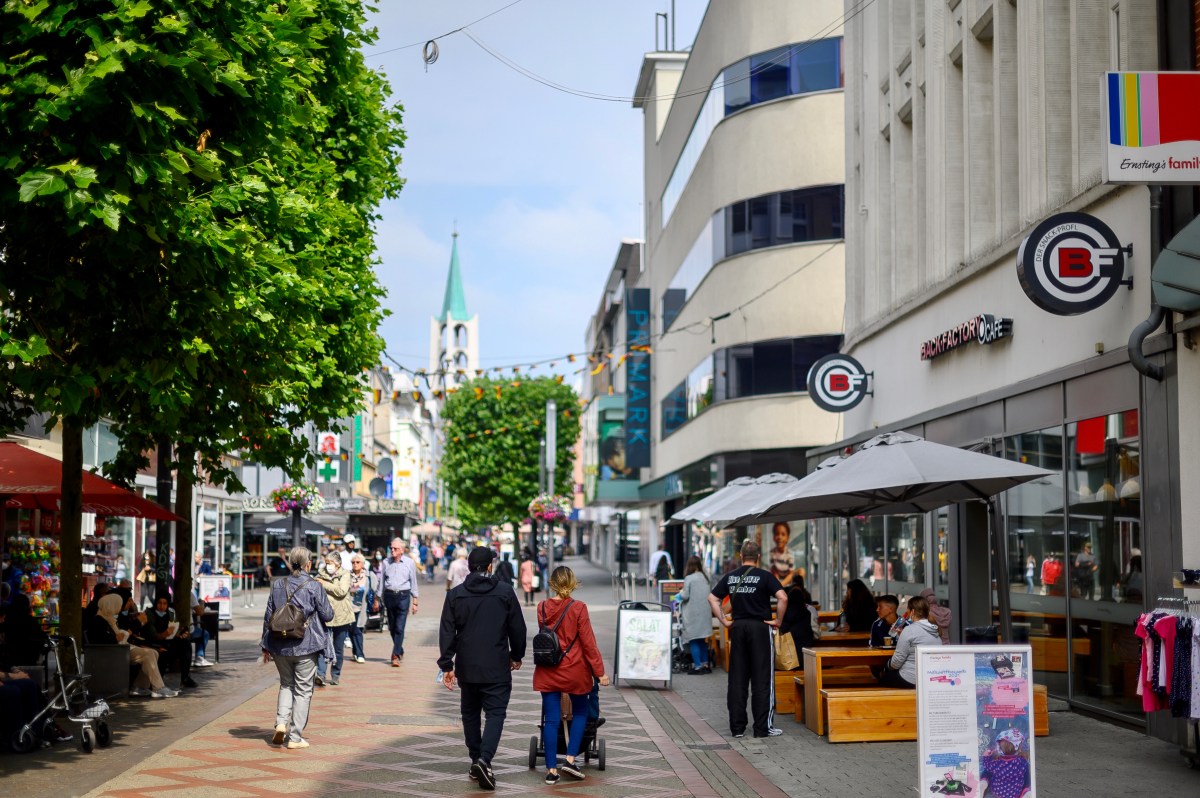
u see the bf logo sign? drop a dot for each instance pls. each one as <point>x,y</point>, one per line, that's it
<point>1071,263</point>
<point>837,383</point>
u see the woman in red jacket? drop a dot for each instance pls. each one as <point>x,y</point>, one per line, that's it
<point>574,674</point>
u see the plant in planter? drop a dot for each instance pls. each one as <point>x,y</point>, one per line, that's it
<point>297,496</point>
<point>549,507</point>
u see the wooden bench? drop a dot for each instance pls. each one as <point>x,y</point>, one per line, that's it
<point>847,677</point>
<point>862,715</point>
<point>1050,653</point>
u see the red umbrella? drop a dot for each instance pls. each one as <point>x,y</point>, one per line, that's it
<point>30,480</point>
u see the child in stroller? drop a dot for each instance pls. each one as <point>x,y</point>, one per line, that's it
<point>592,746</point>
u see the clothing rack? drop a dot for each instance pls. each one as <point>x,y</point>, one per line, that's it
<point>1191,746</point>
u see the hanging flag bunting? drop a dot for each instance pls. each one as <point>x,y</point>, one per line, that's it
<point>377,393</point>
<point>570,358</point>
<point>598,369</point>
<point>395,395</point>
<point>478,372</point>
<point>416,396</point>
<point>610,390</point>
<point>497,391</point>
<point>478,393</point>
<point>558,379</point>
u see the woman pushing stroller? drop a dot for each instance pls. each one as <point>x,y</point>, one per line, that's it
<point>575,674</point>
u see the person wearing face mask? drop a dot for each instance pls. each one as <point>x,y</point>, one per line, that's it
<point>105,630</point>
<point>364,598</point>
<point>175,651</point>
<point>336,581</point>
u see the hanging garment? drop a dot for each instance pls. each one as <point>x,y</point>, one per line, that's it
<point>1166,628</point>
<point>1181,669</point>
<point>1195,669</point>
<point>1147,673</point>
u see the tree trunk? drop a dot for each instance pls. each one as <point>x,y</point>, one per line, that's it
<point>185,479</point>
<point>70,582</point>
<point>162,533</point>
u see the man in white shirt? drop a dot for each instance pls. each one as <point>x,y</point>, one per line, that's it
<point>400,595</point>
<point>659,569</point>
<point>347,554</point>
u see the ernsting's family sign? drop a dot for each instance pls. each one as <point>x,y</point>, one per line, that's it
<point>984,328</point>
<point>1153,121</point>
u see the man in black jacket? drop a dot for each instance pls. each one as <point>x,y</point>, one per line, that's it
<point>482,640</point>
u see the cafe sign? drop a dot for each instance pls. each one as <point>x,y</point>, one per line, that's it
<point>983,329</point>
<point>353,504</point>
<point>837,383</point>
<point>1072,263</point>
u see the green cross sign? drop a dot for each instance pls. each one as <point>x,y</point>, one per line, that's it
<point>328,472</point>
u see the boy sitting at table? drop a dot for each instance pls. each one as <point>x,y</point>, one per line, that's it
<point>885,608</point>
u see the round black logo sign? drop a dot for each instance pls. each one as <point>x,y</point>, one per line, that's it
<point>1070,264</point>
<point>837,383</point>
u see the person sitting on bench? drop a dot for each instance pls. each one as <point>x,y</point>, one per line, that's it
<point>175,650</point>
<point>901,670</point>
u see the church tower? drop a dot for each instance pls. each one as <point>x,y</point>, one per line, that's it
<point>454,334</point>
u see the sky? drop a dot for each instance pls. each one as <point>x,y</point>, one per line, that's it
<point>541,185</point>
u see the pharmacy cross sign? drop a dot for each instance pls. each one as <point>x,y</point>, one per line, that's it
<point>328,472</point>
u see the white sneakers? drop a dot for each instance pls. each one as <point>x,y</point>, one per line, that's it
<point>140,692</point>
<point>294,744</point>
<point>359,659</point>
<point>164,692</point>
<point>201,662</point>
<point>280,734</point>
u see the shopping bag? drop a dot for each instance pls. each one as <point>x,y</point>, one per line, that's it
<point>786,658</point>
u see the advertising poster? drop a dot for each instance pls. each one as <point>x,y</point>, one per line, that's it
<point>217,589</point>
<point>975,721</point>
<point>644,645</point>
<point>667,590</point>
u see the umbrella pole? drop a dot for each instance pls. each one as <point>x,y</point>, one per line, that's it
<point>297,534</point>
<point>1000,572</point>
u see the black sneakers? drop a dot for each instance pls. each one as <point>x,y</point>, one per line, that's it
<point>483,774</point>
<point>571,769</point>
<point>551,777</point>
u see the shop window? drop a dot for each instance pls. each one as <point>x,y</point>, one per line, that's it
<point>674,409</point>
<point>769,75</point>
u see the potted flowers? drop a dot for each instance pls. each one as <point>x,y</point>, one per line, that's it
<point>549,507</point>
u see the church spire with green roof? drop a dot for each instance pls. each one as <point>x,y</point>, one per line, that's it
<point>454,307</point>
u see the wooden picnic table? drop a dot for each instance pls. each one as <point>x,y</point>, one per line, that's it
<point>849,639</point>
<point>817,660</point>
<point>828,616</point>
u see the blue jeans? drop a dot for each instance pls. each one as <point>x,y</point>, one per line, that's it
<point>699,652</point>
<point>356,640</point>
<point>552,721</point>
<point>200,638</point>
<point>397,609</point>
<point>339,633</point>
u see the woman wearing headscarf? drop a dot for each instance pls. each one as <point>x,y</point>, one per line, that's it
<point>364,589</point>
<point>695,614</point>
<point>336,581</point>
<point>104,631</point>
<point>939,615</point>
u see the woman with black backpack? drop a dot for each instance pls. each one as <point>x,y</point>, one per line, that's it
<point>566,660</point>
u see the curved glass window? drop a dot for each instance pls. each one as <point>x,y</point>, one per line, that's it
<point>787,217</point>
<point>801,68</point>
<point>756,369</point>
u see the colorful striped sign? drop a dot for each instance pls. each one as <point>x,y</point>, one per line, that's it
<point>1153,121</point>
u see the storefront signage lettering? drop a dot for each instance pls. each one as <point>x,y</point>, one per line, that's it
<point>837,383</point>
<point>637,379</point>
<point>1153,129</point>
<point>353,504</point>
<point>984,328</point>
<point>1072,263</point>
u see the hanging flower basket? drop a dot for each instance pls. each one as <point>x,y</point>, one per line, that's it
<point>547,507</point>
<point>289,496</point>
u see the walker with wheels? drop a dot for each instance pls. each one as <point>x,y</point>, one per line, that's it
<point>70,698</point>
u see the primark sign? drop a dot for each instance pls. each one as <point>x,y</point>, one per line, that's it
<point>982,329</point>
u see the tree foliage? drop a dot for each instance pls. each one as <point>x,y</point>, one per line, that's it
<point>491,451</point>
<point>187,196</point>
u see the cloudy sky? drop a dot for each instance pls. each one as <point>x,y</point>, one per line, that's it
<point>543,185</point>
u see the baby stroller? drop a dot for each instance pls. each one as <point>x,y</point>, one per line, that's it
<point>591,747</point>
<point>70,697</point>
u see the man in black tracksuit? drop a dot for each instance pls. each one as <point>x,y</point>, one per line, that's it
<point>482,640</point>
<point>751,649</point>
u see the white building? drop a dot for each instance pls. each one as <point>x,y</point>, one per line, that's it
<point>453,334</point>
<point>742,272</point>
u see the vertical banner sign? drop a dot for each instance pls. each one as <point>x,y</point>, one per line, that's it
<point>637,378</point>
<point>975,720</point>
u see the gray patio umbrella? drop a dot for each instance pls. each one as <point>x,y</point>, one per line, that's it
<point>754,509</point>
<point>282,527</point>
<point>697,511</point>
<point>739,503</point>
<point>901,473</point>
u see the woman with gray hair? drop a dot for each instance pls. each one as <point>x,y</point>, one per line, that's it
<point>336,581</point>
<point>364,598</point>
<point>294,634</point>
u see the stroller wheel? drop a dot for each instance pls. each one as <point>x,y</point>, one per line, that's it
<point>87,739</point>
<point>533,752</point>
<point>23,740</point>
<point>104,736</point>
<point>600,755</point>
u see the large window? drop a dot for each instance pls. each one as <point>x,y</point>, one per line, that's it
<point>788,217</point>
<point>757,369</point>
<point>802,68</point>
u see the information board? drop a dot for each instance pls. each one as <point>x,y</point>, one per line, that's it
<point>975,720</point>
<point>643,645</point>
<point>217,588</point>
<point>667,589</point>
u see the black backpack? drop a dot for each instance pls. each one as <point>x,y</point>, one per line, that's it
<point>663,569</point>
<point>288,621</point>
<point>546,650</point>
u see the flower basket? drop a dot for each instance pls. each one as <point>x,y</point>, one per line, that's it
<point>548,507</point>
<point>291,496</point>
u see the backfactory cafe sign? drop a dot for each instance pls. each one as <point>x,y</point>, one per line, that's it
<point>983,329</point>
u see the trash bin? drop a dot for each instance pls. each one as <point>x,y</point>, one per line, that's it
<point>981,635</point>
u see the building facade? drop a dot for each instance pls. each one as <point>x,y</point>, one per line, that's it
<point>740,280</point>
<point>453,334</point>
<point>972,127</point>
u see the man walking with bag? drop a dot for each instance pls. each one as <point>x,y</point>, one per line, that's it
<point>751,650</point>
<point>293,635</point>
<point>482,639</point>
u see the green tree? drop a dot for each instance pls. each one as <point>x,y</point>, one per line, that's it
<point>491,449</point>
<point>187,195</point>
